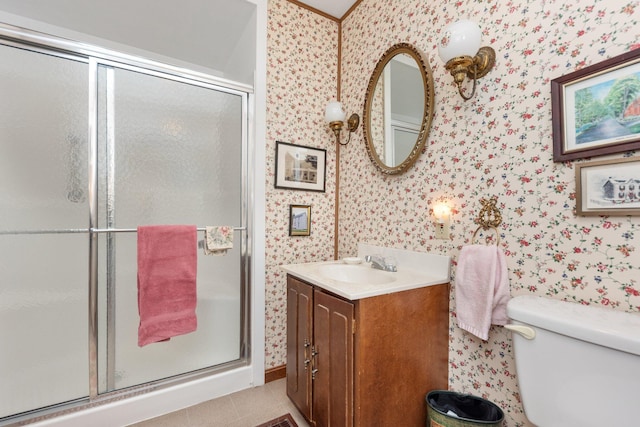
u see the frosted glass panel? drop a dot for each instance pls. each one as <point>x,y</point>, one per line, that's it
<point>43,277</point>
<point>43,321</point>
<point>176,159</point>
<point>178,152</point>
<point>43,141</point>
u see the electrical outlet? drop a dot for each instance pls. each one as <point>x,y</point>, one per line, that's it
<point>442,230</point>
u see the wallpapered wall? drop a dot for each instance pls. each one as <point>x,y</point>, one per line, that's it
<point>498,144</point>
<point>302,76</point>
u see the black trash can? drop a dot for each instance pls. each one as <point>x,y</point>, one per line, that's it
<point>450,409</point>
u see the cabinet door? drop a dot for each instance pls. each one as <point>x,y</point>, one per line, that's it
<point>299,335</point>
<point>401,353</point>
<point>333,361</point>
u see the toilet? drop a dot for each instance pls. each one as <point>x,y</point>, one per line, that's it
<point>577,365</point>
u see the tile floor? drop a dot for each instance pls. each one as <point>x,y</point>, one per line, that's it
<point>247,408</point>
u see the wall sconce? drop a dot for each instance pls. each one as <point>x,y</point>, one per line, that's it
<point>460,50</point>
<point>335,115</point>
<point>442,216</point>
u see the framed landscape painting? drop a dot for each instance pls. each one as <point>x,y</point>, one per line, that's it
<point>596,110</point>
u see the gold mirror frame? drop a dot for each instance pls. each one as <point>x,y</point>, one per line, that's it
<point>427,79</point>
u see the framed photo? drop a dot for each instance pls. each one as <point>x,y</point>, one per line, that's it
<point>596,110</point>
<point>299,220</point>
<point>300,168</point>
<point>608,187</point>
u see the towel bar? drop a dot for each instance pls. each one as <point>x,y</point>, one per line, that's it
<point>133,230</point>
<point>86,230</point>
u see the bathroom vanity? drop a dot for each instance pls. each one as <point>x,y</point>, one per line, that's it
<point>362,354</point>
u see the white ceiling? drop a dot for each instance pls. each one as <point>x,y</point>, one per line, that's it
<point>335,8</point>
<point>209,33</point>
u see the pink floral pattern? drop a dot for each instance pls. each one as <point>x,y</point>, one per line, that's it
<point>497,144</point>
<point>218,239</point>
<point>302,77</point>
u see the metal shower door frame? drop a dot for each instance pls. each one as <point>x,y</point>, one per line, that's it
<point>96,57</point>
<point>157,71</point>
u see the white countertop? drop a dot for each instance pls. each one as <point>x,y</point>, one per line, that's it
<point>404,279</point>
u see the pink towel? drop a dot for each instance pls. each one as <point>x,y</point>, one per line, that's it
<point>167,265</point>
<point>482,289</point>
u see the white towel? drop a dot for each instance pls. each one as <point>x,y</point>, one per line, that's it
<point>218,240</point>
<point>482,289</point>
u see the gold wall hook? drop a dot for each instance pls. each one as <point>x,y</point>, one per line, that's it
<point>489,215</point>
<point>489,218</point>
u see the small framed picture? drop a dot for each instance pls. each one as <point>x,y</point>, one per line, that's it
<point>596,110</point>
<point>299,220</point>
<point>608,187</point>
<point>300,168</point>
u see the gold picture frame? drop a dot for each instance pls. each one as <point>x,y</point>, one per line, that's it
<point>299,220</point>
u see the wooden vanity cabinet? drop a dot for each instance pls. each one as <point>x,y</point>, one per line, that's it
<point>299,335</point>
<point>368,362</point>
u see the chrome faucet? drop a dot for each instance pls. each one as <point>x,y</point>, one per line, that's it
<point>380,263</point>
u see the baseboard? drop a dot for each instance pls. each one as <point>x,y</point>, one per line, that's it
<point>276,373</point>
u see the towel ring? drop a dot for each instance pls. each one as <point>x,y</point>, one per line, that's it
<point>490,227</point>
<point>489,218</point>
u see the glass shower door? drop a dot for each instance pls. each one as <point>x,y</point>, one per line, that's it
<point>170,152</point>
<point>43,222</point>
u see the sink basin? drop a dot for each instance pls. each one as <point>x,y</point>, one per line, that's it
<point>353,280</point>
<point>356,274</point>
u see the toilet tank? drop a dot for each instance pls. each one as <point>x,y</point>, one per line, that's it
<point>582,368</point>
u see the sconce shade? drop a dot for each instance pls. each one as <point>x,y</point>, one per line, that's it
<point>334,112</point>
<point>461,38</point>
<point>441,212</point>
<point>335,115</point>
<point>460,50</point>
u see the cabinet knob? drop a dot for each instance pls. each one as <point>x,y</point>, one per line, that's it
<point>313,373</point>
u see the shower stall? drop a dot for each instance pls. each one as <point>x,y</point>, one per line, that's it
<point>90,148</point>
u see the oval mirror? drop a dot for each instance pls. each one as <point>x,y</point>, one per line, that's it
<point>398,108</point>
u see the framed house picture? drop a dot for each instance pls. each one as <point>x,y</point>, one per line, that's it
<point>596,110</point>
<point>299,220</point>
<point>608,187</point>
<point>300,168</point>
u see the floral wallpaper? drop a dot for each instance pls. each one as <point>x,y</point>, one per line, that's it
<point>376,118</point>
<point>302,76</point>
<point>497,144</point>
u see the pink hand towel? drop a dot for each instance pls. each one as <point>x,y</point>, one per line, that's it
<point>167,266</point>
<point>482,289</point>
